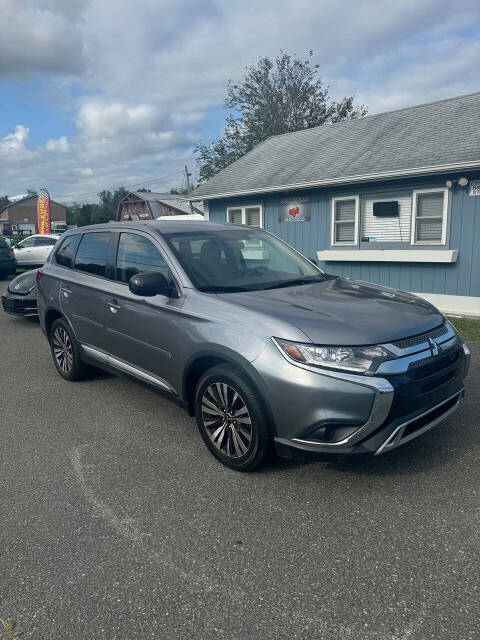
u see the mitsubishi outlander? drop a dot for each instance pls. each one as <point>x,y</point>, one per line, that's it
<point>266,350</point>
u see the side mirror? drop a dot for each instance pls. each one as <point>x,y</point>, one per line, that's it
<point>149,285</point>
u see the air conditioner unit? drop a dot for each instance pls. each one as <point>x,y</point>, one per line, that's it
<point>386,209</point>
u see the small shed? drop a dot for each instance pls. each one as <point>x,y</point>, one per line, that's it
<point>147,205</point>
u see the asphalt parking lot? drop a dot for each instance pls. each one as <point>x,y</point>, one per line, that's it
<point>117,523</point>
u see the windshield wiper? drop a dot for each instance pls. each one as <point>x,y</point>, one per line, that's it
<point>295,282</point>
<point>217,288</point>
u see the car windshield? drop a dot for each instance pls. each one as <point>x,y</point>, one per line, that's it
<point>224,261</point>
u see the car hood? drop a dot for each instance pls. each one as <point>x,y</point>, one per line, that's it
<point>24,283</point>
<point>346,312</point>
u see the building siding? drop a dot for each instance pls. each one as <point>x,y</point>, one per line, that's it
<point>461,278</point>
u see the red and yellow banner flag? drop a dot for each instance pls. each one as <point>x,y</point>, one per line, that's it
<point>43,211</point>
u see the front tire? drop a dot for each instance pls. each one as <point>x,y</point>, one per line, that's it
<point>65,352</point>
<point>232,419</point>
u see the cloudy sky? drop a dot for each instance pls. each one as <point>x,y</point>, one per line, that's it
<point>99,93</point>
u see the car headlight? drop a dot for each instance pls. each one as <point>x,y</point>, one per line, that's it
<point>354,359</point>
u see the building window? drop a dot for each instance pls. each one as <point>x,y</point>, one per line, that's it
<point>392,228</point>
<point>251,215</point>
<point>345,221</point>
<point>429,216</point>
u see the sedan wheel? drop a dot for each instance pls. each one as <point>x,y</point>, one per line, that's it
<point>226,420</point>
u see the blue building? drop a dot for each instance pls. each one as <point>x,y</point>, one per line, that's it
<point>392,198</point>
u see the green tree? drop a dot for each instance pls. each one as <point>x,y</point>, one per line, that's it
<point>180,191</point>
<point>96,213</point>
<point>4,201</point>
<point>273,98</point>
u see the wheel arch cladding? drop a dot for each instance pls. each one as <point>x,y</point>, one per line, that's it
<point>205,361</point>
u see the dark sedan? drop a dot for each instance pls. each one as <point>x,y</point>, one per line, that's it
<point>20,299</point>
<point>8,263</point>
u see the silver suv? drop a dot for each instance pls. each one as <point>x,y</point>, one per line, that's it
<point>264,348</point>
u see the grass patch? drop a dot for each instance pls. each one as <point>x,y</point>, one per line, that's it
<point>468,328</point>
<point>10,630</point>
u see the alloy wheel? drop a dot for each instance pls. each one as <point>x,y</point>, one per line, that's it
<point>226,420</point>
<point>62,349</point>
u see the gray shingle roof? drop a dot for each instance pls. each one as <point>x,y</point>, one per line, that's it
<point>414,140</point>
<point>169,199</point>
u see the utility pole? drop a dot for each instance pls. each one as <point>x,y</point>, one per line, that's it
<point>187,176</point>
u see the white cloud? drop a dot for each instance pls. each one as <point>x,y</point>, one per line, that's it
<point>14,146</point>
<point>59,144</point>
<point>37,38</point>
<point>108,119</point>
<point>86,173</point>
<point>19,196</point>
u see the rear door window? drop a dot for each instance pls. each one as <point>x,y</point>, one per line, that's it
<point>66,253</point>
<point>137,254</point>
<point>92,253</point>
<point>45,241</point>
<point>29,242</point>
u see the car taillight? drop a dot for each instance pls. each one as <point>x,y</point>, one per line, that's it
<point>39,275</point>
<point>12,252</point>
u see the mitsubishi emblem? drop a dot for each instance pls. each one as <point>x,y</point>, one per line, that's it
<point>435,348</point>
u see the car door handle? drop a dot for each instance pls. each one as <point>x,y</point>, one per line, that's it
<point>113,306</point>
<point>66,292</point>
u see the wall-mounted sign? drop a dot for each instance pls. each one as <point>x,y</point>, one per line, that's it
<point>294,209</point>
<point>474,188</point>
<point>43,211</point>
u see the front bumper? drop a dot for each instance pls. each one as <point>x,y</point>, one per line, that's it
<point>17,305</point>
<point>364,413</point>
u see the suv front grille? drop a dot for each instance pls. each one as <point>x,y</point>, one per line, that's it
<point>412,342</point>
<point>427,384</point>
<point>425,367</point>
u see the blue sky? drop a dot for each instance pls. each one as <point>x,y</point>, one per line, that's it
<point>99,93</point>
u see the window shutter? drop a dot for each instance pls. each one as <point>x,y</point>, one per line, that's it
<point>429,218</point>
<point>252,216</point>
<point>345,221</point>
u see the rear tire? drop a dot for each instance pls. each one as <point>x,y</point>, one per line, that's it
<point>66,353</point>
<point>232,419</point>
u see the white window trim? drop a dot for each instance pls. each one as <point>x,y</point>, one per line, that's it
<point>417,192</point>
<point>357,209</point>
<point>244,212</point>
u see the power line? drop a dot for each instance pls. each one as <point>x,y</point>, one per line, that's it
<point>133,184</point>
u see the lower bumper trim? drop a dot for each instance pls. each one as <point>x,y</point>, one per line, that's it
<point>407,431</point>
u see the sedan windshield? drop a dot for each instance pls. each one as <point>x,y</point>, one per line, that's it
<point>240,260</point>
